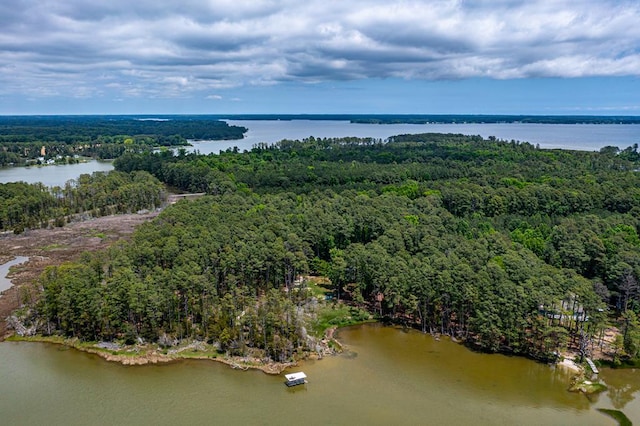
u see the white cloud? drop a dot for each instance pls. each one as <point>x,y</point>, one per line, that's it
<point>174,49</point>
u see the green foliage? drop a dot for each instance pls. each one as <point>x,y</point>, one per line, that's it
<point>631,334</point>
<point>65,137</point>
<point>338,315</point>
<point>496,243</point>
<point>25,205</point>
<point>617,415</point>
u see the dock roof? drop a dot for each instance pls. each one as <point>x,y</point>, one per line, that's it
<point>295,376</point>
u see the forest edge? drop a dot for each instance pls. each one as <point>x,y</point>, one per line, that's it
<point>47,247</point>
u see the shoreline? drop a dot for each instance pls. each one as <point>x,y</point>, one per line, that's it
<point>139,355</point>
<point>569,364</point>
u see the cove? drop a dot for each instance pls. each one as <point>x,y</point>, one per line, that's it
<point>385,376</point>
<point>54,175</point>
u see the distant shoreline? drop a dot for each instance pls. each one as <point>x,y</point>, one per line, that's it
<point>441,118</point>
<point>370,118</point>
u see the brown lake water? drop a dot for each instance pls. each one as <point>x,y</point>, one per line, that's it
<point>387,376</point>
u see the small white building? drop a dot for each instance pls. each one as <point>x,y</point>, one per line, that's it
<point>295,379</point>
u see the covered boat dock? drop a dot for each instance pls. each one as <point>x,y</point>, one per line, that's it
<point>295,379</point>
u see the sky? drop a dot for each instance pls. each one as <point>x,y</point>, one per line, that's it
<point>562,57</point>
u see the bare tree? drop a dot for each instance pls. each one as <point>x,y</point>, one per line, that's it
<point>628,288</point>
<point>584,341</point>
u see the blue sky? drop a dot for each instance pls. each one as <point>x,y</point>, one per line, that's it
<point>288,56</point>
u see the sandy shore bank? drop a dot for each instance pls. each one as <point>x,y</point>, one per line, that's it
<point>570,365</point>
<point>151,354</point>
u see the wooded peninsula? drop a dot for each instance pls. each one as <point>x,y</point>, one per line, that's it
<point>61,139</point>
<point>502,245</point>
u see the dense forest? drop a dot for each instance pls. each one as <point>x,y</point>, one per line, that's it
<point>505,246</point>
<point>24,206</point>
<point>24,138</point>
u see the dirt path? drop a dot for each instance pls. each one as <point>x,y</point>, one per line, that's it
<point>46,247</point>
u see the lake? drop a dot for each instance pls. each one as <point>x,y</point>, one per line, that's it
<point>588,137</point>
<point>585,137</point>
<point>54,175</point>
<point>387,376</point>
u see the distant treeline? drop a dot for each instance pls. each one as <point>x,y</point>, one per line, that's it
<point>29,137</point>
<point>445,118</point>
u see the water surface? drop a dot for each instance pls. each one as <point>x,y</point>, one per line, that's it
<point>387,377</point>
<point>5,283</point>
<point>586,137</point>
<point>589,137</point>
<point>53,175</point>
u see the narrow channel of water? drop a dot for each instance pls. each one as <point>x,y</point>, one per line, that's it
<point>5,283</point>
<point>387,376</point>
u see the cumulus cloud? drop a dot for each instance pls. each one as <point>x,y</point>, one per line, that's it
<point>157,48</point>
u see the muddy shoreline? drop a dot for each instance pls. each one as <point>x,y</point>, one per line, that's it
<point>54,246</point>
<point>151,354</point>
